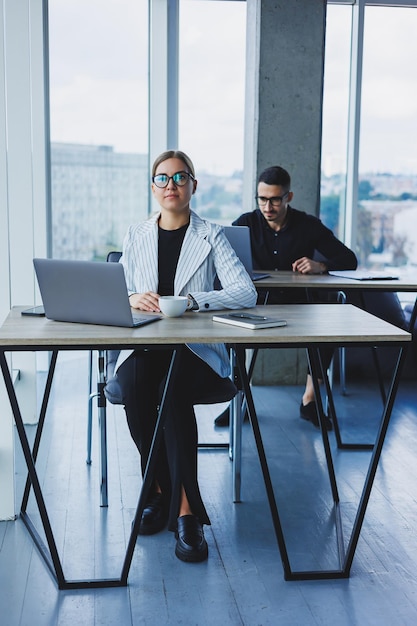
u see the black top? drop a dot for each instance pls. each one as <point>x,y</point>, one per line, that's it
<point>306,235</point>
<point>302,235</point>
<point>169,248</point>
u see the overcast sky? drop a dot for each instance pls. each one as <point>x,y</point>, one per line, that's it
<point>99,82</point>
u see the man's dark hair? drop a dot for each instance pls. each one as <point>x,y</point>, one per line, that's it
<point>275,175</point>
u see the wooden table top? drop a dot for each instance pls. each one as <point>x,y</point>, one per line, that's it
<point>282,280</point>
<point>306,324</point>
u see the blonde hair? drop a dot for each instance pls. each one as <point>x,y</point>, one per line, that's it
<point>174,154</point>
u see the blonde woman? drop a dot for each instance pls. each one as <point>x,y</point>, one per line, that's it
<point>175,252</point>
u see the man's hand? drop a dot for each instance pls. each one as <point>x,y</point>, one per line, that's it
<point>308,266</point>
<point>148,301</point>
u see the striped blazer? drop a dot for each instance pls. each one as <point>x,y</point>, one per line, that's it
<point>205,252</point>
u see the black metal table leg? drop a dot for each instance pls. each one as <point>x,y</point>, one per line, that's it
<point>150,466</point>
<point>240,358</point>
<point>51,558</point>
<point>49,551</point>
<point>342,445</point>
<point>376,454</point>
<point>345,554</point>
<point>39,429</point>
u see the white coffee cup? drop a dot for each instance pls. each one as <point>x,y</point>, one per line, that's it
<point>173,306</point>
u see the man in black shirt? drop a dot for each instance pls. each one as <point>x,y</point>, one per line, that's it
<point>284,238</point>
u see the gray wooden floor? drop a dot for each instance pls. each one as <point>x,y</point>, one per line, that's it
<point>242,581</point>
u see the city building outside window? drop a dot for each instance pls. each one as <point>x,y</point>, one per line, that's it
<point>99,118</point>
<point>98,123</point>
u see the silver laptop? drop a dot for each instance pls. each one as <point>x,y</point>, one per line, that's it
<point>239,238</point>
<point>87,292</point>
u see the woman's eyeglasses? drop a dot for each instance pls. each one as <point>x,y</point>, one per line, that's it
<point>179,179</point>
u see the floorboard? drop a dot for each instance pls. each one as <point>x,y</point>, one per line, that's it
<point>242,582</point>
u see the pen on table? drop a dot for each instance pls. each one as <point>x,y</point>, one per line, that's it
<point>246,316</point>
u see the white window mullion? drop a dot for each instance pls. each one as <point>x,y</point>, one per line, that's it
<point>163,76</point>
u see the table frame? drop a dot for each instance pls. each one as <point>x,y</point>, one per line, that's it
<point>49,551</point>
<point>346,554</point>
<point>293,280</point>
<point>238,340</point>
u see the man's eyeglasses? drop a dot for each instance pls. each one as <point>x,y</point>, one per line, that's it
<point>274,202</point>
<point>179,179</point>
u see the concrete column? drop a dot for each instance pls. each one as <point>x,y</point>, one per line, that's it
<point>283,122</point>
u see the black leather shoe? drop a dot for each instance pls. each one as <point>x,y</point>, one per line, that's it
<point>191,545</point>
<point>223,419</point>
<point>154,516</point>
<point>309,412</point>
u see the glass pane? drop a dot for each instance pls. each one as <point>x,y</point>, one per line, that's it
<point>211,102</point>
<point>388,158</point>
<point>99,123</point>
<point>335,117</point>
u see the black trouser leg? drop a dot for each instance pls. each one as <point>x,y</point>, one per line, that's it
<point>142,378</point>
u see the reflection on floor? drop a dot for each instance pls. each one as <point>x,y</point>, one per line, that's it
<point>242,582</point>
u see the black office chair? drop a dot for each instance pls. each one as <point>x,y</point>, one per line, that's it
<point>106,359</point>
<point>108,389</point>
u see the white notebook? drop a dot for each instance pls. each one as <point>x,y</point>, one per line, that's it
<point>363,275</point>
<point>249,320</point>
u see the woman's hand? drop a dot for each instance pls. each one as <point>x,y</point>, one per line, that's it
<point>308,266</point>
<point>148,301</point>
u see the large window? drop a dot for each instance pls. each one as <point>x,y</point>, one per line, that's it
<point>99,117</point>
<point>212,49</point>
<point>383,133</point>
<point>99,123</point>
<point>388,139</point>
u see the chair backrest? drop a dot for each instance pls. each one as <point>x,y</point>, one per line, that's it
<point>112,390</point>
<point>114,256</point>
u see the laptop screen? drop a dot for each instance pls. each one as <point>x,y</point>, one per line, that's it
<point>239,238</point>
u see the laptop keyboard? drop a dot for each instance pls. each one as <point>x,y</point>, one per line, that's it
<point>140,320</point>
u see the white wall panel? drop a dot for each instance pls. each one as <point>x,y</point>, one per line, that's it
<point>23,199</point>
